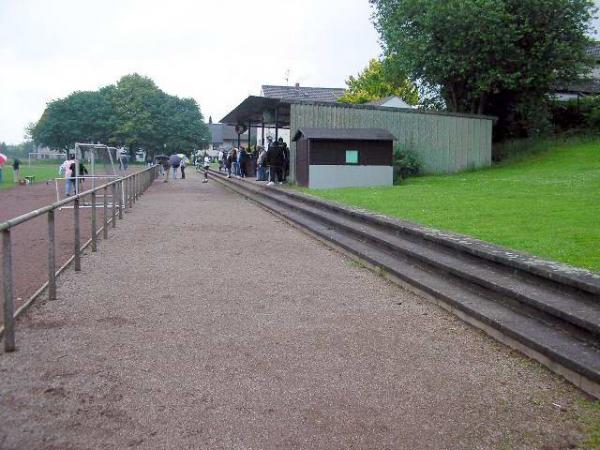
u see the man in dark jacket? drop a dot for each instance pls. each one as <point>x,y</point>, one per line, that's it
<point>275,160</point>
<point>286,159</point>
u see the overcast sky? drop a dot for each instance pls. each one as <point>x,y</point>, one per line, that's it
<point>216,51</point>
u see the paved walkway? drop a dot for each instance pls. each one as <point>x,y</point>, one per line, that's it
<point>205,322</point>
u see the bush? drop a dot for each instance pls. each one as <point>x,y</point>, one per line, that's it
<point>577,114</point>
<point>406,164</point>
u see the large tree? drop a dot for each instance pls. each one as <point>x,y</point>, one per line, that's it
<point>486,56</point>
<point>377,81</point>
<point>134,113</point>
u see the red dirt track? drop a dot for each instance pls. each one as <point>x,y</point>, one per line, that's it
<point>30,239</point>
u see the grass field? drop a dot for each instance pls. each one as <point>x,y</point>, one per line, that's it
<point>547,204</point>
<point>41,170</point>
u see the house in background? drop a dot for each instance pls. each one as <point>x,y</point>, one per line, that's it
<point>225,137</point>
<point>392,101</point>
<point>586,86</point>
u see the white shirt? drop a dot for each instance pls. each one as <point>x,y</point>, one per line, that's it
<point>206,161</point>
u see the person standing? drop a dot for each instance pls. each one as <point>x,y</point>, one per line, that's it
<point>221,160</point>
<point>166,168</point>
<point>242,159</point>
<point>229,162</point>
<point>16,165</point>
<point>175,161</point>
<point>206,167</point>
<point>275,160</point>
<point>65,169</point>
<point>182,167</point>
<point>260,164</point>
<point>286,159</point>
<point>234,162</point>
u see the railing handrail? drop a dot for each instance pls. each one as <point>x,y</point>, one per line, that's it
<point>124,190</point>
<point>51,207</point>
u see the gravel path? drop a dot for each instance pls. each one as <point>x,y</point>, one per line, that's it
<point>205,322</point>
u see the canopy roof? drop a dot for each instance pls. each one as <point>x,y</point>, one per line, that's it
<point>260,110</point>
<point>347,134</point>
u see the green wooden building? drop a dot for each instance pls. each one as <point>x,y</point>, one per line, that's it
<point>444,142</point>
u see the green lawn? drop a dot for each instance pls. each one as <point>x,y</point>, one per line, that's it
<point>547,204</point>
<point>41,170</point>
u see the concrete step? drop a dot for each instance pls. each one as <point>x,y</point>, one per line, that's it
<point>562,275</point>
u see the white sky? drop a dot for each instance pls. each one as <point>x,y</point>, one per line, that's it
<point>216,51</point>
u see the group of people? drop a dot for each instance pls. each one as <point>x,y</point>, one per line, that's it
<point>173,164</point>
<point>272,163</point>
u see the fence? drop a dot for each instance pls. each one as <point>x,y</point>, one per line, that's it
<point>124,191</point>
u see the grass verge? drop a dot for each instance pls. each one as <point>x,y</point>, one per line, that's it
<point>41,170</point>
<point>546,203</point>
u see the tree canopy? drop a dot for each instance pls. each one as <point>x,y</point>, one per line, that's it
<point>376,82</point>
<point>134,113</point>
<point>499,57</point>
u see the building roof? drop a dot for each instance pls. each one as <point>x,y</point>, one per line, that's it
<point>303,93</point>
<point>346,134</point>
<point>255,109</point>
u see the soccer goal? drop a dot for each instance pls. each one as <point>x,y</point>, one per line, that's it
<point>94,165</point>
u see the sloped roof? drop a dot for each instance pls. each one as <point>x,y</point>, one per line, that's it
<point>381,101</point>
<point>350,134</point>
<point>303,93</point>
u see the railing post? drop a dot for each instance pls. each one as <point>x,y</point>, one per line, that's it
<point>94,237</point>
<point>51,258</point>
<point>113,191</point>
<point>134,182</point>
<point>129,180</point>
<point>105,214</point>
<point>9,319</point>
<point>125,193</point>
<point>77,235</point>
<point>120,195</point>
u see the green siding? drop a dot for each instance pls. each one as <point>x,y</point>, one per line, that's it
<point>444,143</point>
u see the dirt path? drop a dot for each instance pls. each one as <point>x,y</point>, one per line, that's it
<point>205,322</point>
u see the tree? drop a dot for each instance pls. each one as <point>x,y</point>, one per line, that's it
<point>134,113</point>
<point>486,56</point>
<point>80,117</point>
<point>376,82</point>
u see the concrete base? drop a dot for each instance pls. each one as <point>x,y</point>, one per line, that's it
<point>329,177</point>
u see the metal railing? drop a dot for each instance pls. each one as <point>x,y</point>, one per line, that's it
<point>127,190</point>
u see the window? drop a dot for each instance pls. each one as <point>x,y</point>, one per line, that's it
<point>351,156</point>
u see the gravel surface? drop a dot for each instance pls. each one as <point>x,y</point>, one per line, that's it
<point>205,322</point>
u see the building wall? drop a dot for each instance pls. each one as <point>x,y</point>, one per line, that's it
<point>332,176</point>
<point>333,152</point>
<point>302,162</point>
<point>444,143</point>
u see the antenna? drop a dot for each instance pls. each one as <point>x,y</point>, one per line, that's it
<point>287,77</point>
